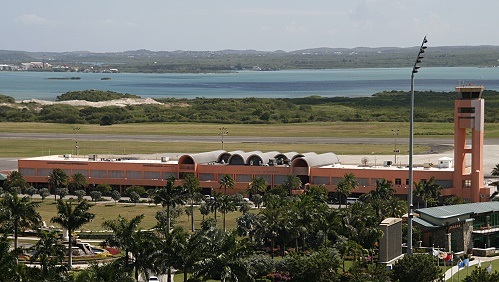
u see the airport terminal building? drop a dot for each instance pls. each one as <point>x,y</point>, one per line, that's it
<point>453,174</point>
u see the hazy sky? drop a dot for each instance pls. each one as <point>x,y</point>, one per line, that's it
<point>267,25</point>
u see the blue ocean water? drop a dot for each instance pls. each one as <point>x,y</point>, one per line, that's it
<point>271,84</point>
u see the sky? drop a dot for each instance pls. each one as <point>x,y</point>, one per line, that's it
<point>265,25</point>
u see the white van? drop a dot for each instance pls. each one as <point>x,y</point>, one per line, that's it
<point>351,200</point>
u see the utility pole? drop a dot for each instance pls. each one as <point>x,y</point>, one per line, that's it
<point>76,129</point>
<point>223,131</point>
<point>395,132</point>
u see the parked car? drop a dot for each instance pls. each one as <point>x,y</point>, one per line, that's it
<point>351,200</point>
<point>153,278</point>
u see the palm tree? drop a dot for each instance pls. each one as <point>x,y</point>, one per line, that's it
<point>183,251</point>
<point>305,213</point>
<point>226,182</point>
<point>78,182</point>
<point>48,251</point>
<point>291,183</point>
<point>419,190</point>
<point>346,185</point>
<point>8,260</point>
<point>115,270</point>
<point>268,225</point>
<point>21,212</point>
<point>257,200</point>
<point>395,208</point>
<point>257,185</point>
<point>169,196</point>
<point>246,225</point>
<point>384,191</point>
<point>227,204</point>
<point>378,198</point>
<point>349,247</point>
<point>204,209</point>
<point>144,252</point>
<point>123,231</point>
<point>193,190</point>
<point>226,260</point>
<point>70,218</point>
<point>495,170</point>
<point>15,179</point>
<point>431,191</point>
<point>214,203</point>
<point>57,179</point>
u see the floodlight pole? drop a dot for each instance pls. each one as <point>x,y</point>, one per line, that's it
<point>395,132</point>
<point>223,131</point>
<point>411,149</point>
<point>76,129</point>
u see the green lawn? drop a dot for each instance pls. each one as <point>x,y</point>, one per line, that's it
<point>109,211</point>
<point>316,129</point>
<point>464,271</point>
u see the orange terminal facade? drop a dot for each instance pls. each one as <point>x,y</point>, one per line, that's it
<point>453,175</point>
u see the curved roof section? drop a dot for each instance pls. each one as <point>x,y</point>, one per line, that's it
<point>285,156</point>
<point>260,159</point>
<point>304,155</point>
<point>241,158</point>
<point>314,160</point>
<point>226,155</point>
<point>200,158</point>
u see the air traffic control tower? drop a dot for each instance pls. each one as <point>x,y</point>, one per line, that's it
<point>469,119</point>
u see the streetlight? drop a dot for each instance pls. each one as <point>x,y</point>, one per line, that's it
<point>223,132</point>
<point>415,69</point>
<point>76,129</point>
<point>395,132</point>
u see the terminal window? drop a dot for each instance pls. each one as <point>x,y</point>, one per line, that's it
<point>466,110</point>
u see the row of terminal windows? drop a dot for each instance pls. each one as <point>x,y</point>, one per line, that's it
<point>278,179</point>
<point>130,174</point>
<point>119,174</point>
<point>325,180</point>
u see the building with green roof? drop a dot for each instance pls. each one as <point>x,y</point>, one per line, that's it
<point>460,227</point>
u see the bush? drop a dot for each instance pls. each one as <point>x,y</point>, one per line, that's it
<point>96,195</point>
<point>417,268</point>
<point>80,194</point>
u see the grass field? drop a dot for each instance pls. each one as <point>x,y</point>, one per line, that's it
<point>316,129</point>
<point>464,271</point>
<point>108,211</point>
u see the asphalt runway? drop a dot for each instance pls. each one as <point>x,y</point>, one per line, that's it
<point>234,139</point>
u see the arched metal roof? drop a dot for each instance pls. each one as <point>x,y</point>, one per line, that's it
<point>312,160</point>
<point>224,157</point>
<point>304,155</point>
<point>241,158</point>
<point>261,159</point>
<point>285,156</point>
<point>200,158</point>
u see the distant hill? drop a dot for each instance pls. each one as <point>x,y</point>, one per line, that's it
<point>228,60</point>
<point>14,57</point>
